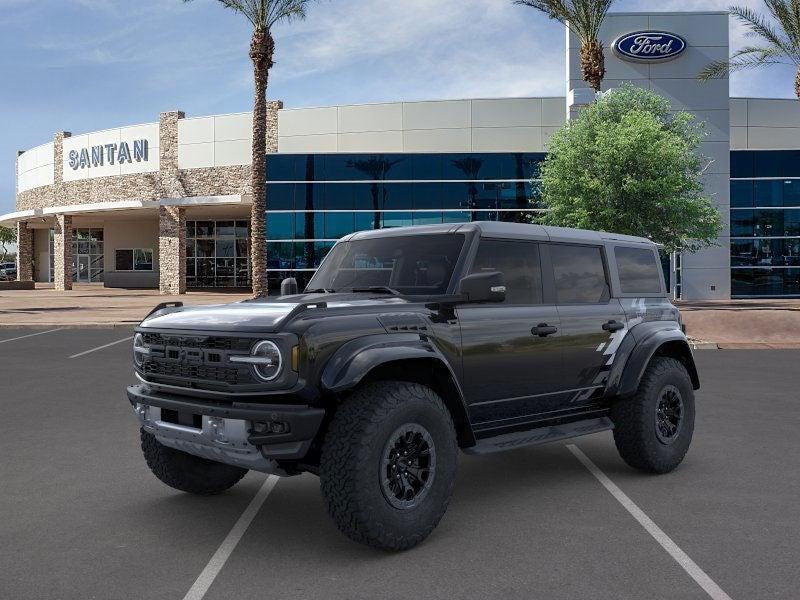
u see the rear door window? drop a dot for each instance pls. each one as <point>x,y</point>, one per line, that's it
<point>579,273</point>
<point>519,264</point>
<point>638,270</point>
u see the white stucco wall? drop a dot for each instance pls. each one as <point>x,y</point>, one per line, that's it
<point>765,124</point>
<point>35,167</point>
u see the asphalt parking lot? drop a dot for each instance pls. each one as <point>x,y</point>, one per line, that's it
<point>82,517</point>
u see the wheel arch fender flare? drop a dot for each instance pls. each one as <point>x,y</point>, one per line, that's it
<point>359,359</point>
<point>649,340</point>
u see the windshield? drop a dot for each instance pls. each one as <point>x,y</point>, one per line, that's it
<point>409,264</point>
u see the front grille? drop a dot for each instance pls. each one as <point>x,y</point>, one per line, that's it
<point>232,375</point>
<point>200,360</point>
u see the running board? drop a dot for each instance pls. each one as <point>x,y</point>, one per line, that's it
<point>543,435</point>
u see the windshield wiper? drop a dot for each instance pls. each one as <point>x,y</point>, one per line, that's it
<point>320,291</point>
<point>378,289</point>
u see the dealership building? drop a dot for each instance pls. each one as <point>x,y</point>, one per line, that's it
<point>167,204</point>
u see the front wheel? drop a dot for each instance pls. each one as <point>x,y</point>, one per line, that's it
<point>653,429</point>
<point>186,472</point>
<point>388,464</point>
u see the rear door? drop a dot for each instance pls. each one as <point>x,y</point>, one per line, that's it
<point>591,321</point>
<point>511,354</point>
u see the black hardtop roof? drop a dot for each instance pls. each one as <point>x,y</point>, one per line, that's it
<point>509,230</point>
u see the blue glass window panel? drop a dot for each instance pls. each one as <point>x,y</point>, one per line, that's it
<point>768,222</point>
<point>742,223</point>
<point>514,195</point>
<point>768,163</point>
<point>226,248</point>
<point>463,166</point>
<point>455,195</point>
<point>485,195</point>
<point>280,196</point>
<point>790,163</point>
<point>742,194</point>
<point>339,167</point>
<point>364,221</point>
<point>765,282</point>
<point>427,195</point>
<point>310,167</point>
<point>457,216</point>
<point>530,163</point>
<point>768,193</point>
<point>280,255</point>
<point>427,218</point>
<point>742,164</point>
<point>309,225</point>
<point>397,219</point>
<point>396,196</point>
<point>494,166</point>
<point>366,196</point>
<point>791,222</point>
<point>339,196</point>
<point>514,216</point>
<point>280,226</point>
<point>281,167</point>
<point>791,193</point>
<point>399,167</point>
<point>309,196</point>
<point>426,166</point>
<point>338,224</point>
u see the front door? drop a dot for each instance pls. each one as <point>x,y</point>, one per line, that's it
<point>83,268</point>
<point>591,322</point>
<point>511,354</point>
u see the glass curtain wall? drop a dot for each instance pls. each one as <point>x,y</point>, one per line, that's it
<point>765,223</point>
<point>315,199</point>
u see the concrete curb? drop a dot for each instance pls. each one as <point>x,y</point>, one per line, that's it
<point>705,346</point>
<point>39,325</point>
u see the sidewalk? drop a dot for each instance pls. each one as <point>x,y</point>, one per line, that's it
<point>91,305</point>
<point>737,324</point>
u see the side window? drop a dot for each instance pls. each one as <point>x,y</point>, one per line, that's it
<point>519,264</point>
<point>579,274</point>
<point>638,270</point>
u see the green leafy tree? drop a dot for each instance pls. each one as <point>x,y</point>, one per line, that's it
<point>584,18</point>
<point>8,236</point>
<point>628,165</point>
<point>778,40</point>
<point>263,15</point>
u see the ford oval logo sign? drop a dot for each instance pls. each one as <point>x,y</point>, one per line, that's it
<point>649,46</point>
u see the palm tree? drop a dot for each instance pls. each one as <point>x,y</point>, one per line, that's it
<point>780,41</point>
<point>262,15</point>
<point>584,19</point>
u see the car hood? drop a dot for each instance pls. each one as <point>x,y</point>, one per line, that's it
<point>260,315</point>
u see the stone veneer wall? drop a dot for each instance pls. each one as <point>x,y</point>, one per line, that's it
<point>172,250</point>
<point>62,251</point>
<point>24,252</point>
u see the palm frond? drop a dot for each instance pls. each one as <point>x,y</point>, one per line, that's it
<point>263,14</point>
<point>745,58</point>
<point>583,17</point>
<point>784,13</point>
<point>759,26</point>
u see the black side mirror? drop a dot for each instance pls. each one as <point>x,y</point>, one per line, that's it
<point>289,286</point>
<point>483,287</point>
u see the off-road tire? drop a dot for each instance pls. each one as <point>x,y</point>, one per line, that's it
<point>350,465</point>
<point>635,419</point>
<point>188,473</point>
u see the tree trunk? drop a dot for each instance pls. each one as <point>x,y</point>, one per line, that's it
<point>593,64</point>
<point>797,84</point>
<point>262,48</point>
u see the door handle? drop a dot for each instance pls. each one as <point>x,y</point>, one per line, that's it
<point>613,326</point>
<point>543,330</point>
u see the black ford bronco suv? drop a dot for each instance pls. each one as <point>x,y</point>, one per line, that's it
<point>408,345</point>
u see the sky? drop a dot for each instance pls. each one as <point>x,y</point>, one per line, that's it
<point>86,65</point>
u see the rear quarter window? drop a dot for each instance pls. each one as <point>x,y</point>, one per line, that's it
<point>638,270</point>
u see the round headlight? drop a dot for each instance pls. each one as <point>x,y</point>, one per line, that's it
<point>268,356</point>
<point>139,349</point>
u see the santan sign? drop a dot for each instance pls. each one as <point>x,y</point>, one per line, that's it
<point>649,46</point>
<point>97,156</point>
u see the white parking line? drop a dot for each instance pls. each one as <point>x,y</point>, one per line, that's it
<point>214,566</point>
<point>22,337</point>
<point>688,565</point>
<point>85,352</point>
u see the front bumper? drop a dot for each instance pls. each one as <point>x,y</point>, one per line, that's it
<point>249,435</point>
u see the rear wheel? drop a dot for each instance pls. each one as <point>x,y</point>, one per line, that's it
<point>388,464</point>
<point>186,472</point>
<point>654,428</point>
